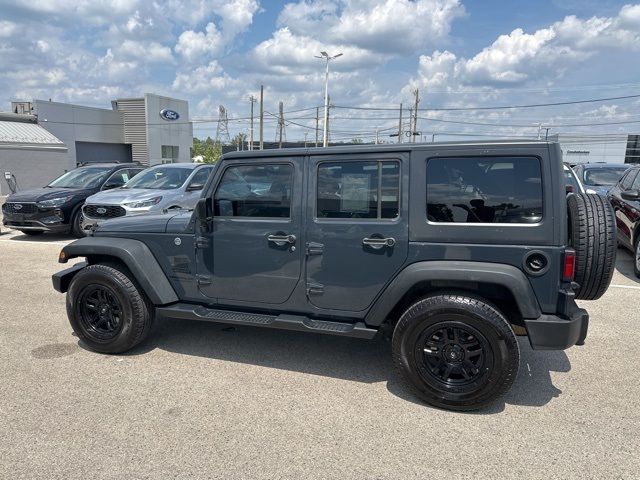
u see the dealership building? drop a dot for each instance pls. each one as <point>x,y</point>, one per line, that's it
<point>42,139</point>
<point>607,148</point>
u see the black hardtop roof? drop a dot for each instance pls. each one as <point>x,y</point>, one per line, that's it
<point>369,148</point>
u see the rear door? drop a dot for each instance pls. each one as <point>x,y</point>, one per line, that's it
<point>358,231</point>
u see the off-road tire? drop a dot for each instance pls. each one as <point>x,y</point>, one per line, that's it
<point>502,356</point>
<point>137,313</point>
<point>76,224</point>
<point>592,234</point>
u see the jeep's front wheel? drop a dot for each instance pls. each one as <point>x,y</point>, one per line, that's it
<point>106,309</point>
<point>455,352</point>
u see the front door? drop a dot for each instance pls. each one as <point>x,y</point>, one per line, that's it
<point>358,236</point>
<point>253,252</point>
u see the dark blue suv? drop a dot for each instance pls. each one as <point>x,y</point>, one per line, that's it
<point>449,250</point>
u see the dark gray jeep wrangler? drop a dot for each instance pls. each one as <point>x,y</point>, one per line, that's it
<point>450,249</point>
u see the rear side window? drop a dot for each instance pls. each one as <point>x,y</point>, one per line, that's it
<point>255,191</point>
<point>484,190</point>
<point>358,190</point>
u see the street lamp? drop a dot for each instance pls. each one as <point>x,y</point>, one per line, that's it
<point>327,57</point>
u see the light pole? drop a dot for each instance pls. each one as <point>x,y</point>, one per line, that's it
<point>327,58</point>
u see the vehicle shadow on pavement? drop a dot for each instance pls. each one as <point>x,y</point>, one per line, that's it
<point>44,238</point>
<point>367,361</point>
<point>624,264</point>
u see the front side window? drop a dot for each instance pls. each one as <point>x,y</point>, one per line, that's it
<point>118,179</point>
<point>627,181</point>
<point>358,190</point>
<point>200,178</point>
<point>255,191</point>
<point>484,190</point>
<point>636,183</point>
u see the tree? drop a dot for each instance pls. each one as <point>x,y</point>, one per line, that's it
<point>356,140</point>
<point>206,151</point>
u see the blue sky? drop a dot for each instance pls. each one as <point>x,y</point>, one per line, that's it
<point>457,53</point>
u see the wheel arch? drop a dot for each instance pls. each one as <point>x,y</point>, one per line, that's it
<point>133,254</point>
<point>503,285</point>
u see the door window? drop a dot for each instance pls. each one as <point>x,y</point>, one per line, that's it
<point>255,191</point>
<point>484,190</point>
<point>118,179</point>
<point>358,190</point>
<point>636,184</point>
<point>200,179</point>
<point>627,181</point>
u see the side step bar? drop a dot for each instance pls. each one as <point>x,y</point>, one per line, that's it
<point>285,322</point>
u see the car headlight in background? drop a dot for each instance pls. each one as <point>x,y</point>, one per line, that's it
<point>54,202</point>
<point>145,203</point>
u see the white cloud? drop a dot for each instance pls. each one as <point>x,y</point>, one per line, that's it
<point>203,79</point>
<point>391,26</point>
<point>194,46</point>
<point>150,52</point>
<point>7,28</point>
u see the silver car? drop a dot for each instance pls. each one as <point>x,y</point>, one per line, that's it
<point>170,186</point>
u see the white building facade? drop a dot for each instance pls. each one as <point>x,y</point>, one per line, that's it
<point>623,148</point>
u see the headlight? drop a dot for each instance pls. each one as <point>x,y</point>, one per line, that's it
<point>145,203</point>
<point>54,202</point>
<point>591,190</point>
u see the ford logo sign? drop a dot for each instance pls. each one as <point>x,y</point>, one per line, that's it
<point>17,206</point>
<point>168,114</point>
<point>101,210</point>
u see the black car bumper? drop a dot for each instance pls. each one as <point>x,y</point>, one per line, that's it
<point>550,332</point>
<point>49,220</point>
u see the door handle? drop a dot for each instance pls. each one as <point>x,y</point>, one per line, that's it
<point>281,240</point>
<point>378,243</point>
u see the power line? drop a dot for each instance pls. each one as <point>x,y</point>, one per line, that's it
<point>498,107</point>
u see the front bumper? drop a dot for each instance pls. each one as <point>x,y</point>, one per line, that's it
<point>62,280</point>
<point>50,220</point>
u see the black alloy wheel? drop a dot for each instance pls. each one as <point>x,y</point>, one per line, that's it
<point>100,312</point>
<point>452,353</point>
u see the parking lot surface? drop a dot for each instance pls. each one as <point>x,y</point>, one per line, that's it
<point>202,400</point>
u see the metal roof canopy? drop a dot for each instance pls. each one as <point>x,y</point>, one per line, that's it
<point>27,135</point>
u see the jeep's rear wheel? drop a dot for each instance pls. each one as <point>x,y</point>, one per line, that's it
<point>592,233</point>
<point>107,310</point>
<point>455,352</point>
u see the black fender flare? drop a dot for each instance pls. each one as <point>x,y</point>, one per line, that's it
<point>133,253</point>
<point>506,276</point>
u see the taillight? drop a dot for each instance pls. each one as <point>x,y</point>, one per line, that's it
<point>569,269</point>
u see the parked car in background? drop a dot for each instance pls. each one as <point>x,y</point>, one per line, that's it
<point>170,186</point>
<point>599,177</point>
<point>625,199</point>
<point>57,207</point>
<point>572,183</point>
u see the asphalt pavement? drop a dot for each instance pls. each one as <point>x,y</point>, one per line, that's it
<point>201,400</point>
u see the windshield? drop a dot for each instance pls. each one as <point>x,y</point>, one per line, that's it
<point>86,177</point>
<point>603,177</point>
<point>162,178</point>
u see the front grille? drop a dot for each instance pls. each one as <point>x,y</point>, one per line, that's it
<point>15,207</point>
<point>103,211</point>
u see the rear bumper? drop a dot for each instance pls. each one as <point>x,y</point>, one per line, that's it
<point>551,332</point>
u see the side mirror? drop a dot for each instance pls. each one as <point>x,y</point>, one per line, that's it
<point>630,194</point>
<point>110,186</point>
<point>194,187</point>
<point>203,212</point>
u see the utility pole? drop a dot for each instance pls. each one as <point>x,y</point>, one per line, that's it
<point>414,132</point>
<point>280,123</point>
<point>410,124</point>
<point>261,117</point>
<point>317,124</point>
<point>327,58</point>
<point>252,99</point>
<point>305,139</point>
<point>377,137</point>
<point>400,126</point>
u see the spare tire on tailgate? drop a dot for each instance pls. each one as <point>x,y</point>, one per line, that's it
<point>592,233</point>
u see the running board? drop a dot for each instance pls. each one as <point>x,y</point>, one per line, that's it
<point>285,322</point>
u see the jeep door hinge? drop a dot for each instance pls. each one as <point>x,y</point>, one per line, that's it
<point>314,248</point>
<point>203,280</point>
<point>202,242</point>
<point>315,289</point>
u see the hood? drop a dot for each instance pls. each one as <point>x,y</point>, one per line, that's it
<point>45,193</point>
<point>135,224</point>
<point>118,196</point>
